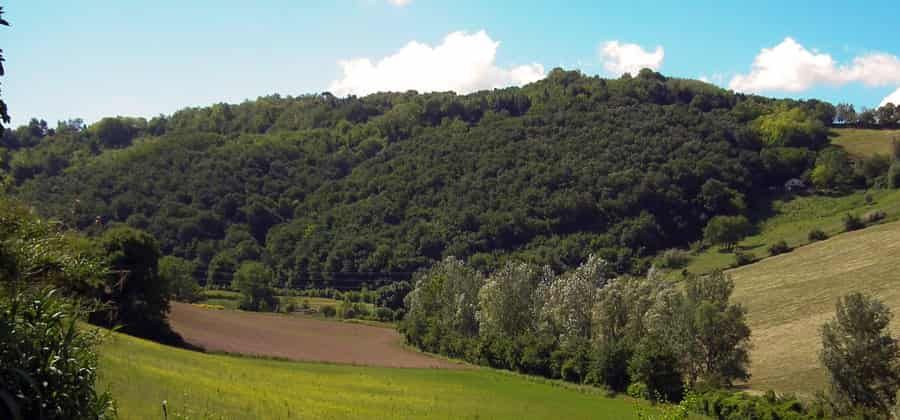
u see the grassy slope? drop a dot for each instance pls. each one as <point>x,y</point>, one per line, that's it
<point>793,219</point>
<point>141,374</point>
<point>860,142</point>
<point>789,297</point>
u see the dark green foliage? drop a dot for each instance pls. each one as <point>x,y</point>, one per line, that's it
<point>655,366</point>
<point>337,192</point>
<point>4,113</point>
<point>726,230</point>
<point>743,258</point>
<point>779,247</point>
<point>817,235</point>
<point>730,405</point>
<point>329,311</point>
<point>254,281</point>
<point>48,365</point>
<point>862,359</point>
<point>833,170</point>
<point>893,175</point>
<point>852,222</point>
<point>139,296</point>
<point>179,274</point>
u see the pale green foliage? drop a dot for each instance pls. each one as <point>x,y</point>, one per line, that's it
<point>447,292</point>
<point>568,300</point>
<point>791,127</point>
<point>508,303</point>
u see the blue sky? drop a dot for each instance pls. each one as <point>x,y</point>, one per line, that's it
<point>101,58</point>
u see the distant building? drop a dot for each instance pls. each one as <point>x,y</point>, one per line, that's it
<point>794,184</point>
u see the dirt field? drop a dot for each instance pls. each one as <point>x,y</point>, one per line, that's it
<point>296,338</point>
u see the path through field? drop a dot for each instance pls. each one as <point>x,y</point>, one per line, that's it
<point>296,338</point>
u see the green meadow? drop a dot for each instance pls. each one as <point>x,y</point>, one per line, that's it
<point>865,142</point>
<point>142,374</point>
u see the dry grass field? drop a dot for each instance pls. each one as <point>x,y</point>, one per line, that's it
<point>863,143</point>
<point>789,297</point>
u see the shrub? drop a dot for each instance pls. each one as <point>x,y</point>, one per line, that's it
<point>674,259</point>
<point>780,247</point>
<point>817,235</point>
<point>852,222</point>
<point>47,363</point>
<point>329,311</point>
<point>742,258</point>
<point>384,314</point>
<point>873,216</point>
<point>894,175</point>
<point>638,390</point>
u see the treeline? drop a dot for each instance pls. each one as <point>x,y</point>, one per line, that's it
<point>334,192</point>
<point>643,335</point>
<point>886,116</point>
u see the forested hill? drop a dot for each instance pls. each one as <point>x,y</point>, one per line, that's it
<point>335,191</point>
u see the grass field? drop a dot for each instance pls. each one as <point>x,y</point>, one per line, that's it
<point>792,219</point>
<point>789,296</point>
<point>142,374</point>
<point>864,143</point>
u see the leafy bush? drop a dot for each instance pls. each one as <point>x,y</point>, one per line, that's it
<point>742,258</point>
<point>638,390</point>
<point>728,405</point>
<point>674,259</point>
<point>894,175</point>
<point>817,235</point>
<point>384,314</point>
<point>852,222</point>
<point>780,247</point>
<point>48,366</point>
<point>328,311</point>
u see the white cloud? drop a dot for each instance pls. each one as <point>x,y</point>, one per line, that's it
<point>619,58</point>
<point>893,98</point>
<point>791,67</point>
<point>462,63</point>
<point>399,3</point>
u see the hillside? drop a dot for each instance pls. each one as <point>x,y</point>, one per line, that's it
<point>143,374</point>
<point>789,297</point>
<point>337,191</point>
<point>866,142</point>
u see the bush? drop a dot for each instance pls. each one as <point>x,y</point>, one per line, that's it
<point>817,235</point>
<point>674,259</point>
<point>329,311</point>
<point>47,363</point>
<point>638,390</point>
<point>780,247</point>
<point>873,216</point>
<point>742,258</point>
<point>894,175</point>
<point>384,314</point>
<point>852,222</point>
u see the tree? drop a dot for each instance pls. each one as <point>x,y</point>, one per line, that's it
<point>507,302</point>
<point>254,281</point>
<point>221,269</point>
<point>139,296</point>
<point>860,355</point>
<point>845,113</point>
<point>717,348</point>
<point>4,114</point>
<point>726,230</point>
<point>887,115</point>
<point>179,274</point>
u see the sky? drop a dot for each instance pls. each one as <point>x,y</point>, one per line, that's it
<point>94,58</point>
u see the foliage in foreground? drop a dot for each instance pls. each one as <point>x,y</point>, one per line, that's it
<point>48,365</point>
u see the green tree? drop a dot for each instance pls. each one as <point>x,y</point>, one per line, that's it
<point>726,230</point>
<point>4,114</point>
<point>861,357</point>
<point>833,170</point>
<point>254,281</point>
<point>179,274</point>
<point>139,296</point>
<point>221,269</point>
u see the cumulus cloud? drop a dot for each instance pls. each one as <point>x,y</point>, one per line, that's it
<point>791,67</point>
<point>893,98</point>
<point>619,58</point>
<point>462,63</point>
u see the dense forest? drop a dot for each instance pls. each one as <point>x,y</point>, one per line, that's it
<point>333,192</point>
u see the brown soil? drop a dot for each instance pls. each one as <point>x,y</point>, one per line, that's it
<point>296,338</point>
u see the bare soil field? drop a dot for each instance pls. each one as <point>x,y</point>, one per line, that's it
<point>297,338</point>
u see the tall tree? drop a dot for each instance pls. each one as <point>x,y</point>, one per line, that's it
<point>4,114</point>
<point>860,355</point>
